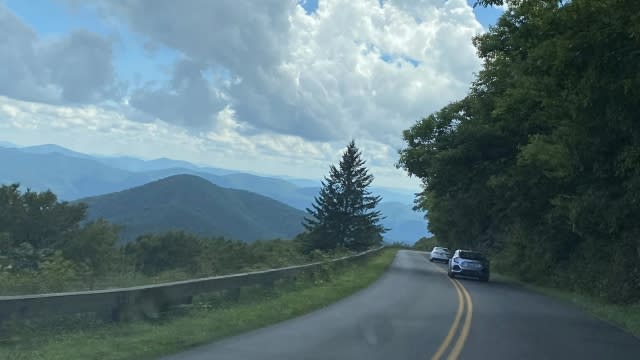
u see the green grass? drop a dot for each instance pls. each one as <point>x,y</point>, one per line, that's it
<point>211,319</point>
<point>626,317</point>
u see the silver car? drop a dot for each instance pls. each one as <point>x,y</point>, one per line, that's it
<point>469,263</point>
<point>439,253</point>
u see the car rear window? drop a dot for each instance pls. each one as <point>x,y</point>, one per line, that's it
<point>471,255</point>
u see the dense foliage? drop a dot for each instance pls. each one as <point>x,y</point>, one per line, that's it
<point>344,213</point>
<point>540,163</point>
<point>47,246</point>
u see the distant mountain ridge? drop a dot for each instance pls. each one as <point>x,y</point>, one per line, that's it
<point>53,149</point>
<point>138,165</point>
<point>69,177</point>
<point>7,144</point>
<point>73,175</point>
<point>193,204</point>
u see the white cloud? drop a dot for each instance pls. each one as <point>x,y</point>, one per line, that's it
<point>72,68</point>
<point>189,100</point>
<point>261,85</point>
<point>320,76</point>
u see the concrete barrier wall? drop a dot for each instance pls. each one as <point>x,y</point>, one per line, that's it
<point>147,300</point>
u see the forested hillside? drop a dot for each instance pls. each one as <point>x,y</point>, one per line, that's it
<point>540,163</point>
<point>193,204</point>
<point>47,245</point>
<point>179,227</point>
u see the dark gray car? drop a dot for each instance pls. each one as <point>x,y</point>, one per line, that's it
<point>469,263</point>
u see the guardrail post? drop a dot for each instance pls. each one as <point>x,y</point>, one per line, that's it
<point>119,308</point>
<point>232,294</point>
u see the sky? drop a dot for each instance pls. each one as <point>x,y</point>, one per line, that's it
<point>270,86</point>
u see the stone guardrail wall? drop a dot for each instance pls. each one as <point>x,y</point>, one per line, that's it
<point>147,300</point>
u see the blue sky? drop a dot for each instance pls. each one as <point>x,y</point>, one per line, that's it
<point>134,64</point>
<point>486,16</point>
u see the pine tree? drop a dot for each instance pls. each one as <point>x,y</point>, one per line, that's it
<point>344,212</point>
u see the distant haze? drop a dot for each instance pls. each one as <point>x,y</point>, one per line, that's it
<point>73,175</point>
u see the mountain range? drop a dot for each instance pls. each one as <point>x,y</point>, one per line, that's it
<point>195,205</point>
<point>73,175</point>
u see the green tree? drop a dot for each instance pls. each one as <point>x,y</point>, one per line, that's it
<point>425,243</point>
<point>173,250</point>
<point>224,256</point>
<point>94,246</point>
<point>344,213</point>
<point>38,218</point>
<point>539,163</point>
<point>56,273</point>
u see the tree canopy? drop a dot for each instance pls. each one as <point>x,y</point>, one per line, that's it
<point>540,163</point>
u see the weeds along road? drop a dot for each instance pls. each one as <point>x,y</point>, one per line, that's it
<point>414,311</point>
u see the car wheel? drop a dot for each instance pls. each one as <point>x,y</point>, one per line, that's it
<point>451,275</point>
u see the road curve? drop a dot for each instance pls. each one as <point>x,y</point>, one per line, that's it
<point>415,312</point>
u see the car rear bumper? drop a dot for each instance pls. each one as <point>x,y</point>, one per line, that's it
<point>470,272</point>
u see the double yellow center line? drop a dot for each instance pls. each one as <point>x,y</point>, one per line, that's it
<point>465,308</point>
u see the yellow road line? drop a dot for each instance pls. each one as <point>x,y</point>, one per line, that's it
<point>454,327</point>
<point>457,348</point>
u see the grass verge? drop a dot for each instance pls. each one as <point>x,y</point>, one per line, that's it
<point>626,317</point>
<point>210,319</point>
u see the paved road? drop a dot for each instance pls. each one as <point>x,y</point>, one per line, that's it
<point>415,312</point>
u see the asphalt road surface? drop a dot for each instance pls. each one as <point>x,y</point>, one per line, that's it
<point>415,312</point>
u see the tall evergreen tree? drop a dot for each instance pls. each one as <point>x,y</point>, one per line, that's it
<point>344,212</point>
